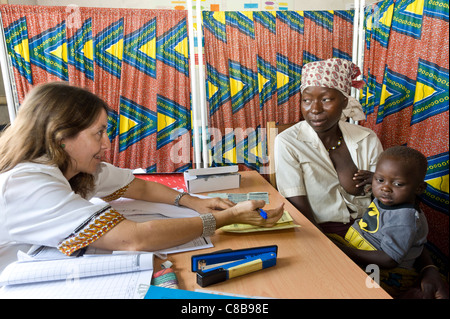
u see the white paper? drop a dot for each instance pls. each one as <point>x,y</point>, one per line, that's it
<point>53,270</point>
<point>132,285</point>
<point>100,276</point>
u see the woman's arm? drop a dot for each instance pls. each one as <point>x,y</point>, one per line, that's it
<point>159,193</point>
<point>160,234</point>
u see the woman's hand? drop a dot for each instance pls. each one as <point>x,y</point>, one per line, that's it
<point>226,212</point>
<point>164,233</point>
<point>248,213</point>
<point>206,205</point>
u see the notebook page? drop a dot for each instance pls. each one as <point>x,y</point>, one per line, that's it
<point>121,286</point>
<point>51,270</point>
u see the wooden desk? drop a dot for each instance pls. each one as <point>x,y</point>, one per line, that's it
<point>309,265</point>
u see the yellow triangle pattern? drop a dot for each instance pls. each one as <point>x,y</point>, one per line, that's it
<point>61,52</point>
<point>369,23</point>
<point>235,86</point>
<point>256,149</point>
<point>384,94</point>
<point>248,14</point>
<point>212,89</point>
<point>440,183</point>
<point>116,49</point>
<point>88,50</point>
<point>149,48</point>
<point>182,47</point>
<point>386,19</point>
<point>164,121</point>
<point>416,7</point>
<point>22,50</point>
<point>282,79</point>
<point>261,81</point>
<point>422,91</point>
<point>125,124</point>
<point>219,16</point>
<point>368,94</point>
<point>231,155</point>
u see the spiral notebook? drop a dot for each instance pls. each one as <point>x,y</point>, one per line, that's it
<point>118,276</point>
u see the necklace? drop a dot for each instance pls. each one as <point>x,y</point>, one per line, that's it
<point>336,146</point>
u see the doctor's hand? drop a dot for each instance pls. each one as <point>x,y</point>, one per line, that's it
<point>248,213</point>
<point>206,205</point>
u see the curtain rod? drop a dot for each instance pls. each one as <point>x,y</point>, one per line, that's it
<point>194,96</point>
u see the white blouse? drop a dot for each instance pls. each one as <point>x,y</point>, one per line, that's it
<point>38,207</point>
<point>304,168</point>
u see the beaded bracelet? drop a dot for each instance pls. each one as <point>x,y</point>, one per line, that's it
<point>209,224</point>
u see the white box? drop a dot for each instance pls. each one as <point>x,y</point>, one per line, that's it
<point>202,180</point>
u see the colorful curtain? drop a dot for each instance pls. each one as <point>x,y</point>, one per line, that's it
<point>136,60</point>
<point>406,99</point>
<point>253,72</point>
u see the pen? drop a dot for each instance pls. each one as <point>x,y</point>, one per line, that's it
<point>263,213</point>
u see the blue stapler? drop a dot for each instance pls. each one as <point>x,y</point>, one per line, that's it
<point>226,264</point>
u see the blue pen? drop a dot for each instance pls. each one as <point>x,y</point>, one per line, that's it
<point>263,213</point>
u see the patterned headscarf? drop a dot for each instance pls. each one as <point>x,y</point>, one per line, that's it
<point>338,74</point>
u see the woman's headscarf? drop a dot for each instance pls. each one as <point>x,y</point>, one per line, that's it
<point>337,74</point>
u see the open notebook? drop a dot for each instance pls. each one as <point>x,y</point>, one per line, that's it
<point>123,276</point>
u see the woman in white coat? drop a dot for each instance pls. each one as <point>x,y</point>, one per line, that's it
<point>51,166</point>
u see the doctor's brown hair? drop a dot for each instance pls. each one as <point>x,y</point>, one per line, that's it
<point>49,113</point>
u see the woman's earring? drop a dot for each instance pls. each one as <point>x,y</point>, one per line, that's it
<point>63,145</point>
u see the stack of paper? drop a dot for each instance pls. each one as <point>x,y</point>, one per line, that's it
<point>285,222</point>
<point>240,197</point>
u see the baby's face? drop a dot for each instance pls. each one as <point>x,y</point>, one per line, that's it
<point>395,182</point>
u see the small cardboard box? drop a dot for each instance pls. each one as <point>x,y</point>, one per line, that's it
<point>212,179</point>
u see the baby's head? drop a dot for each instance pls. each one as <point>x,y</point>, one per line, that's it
<point>399,176</point>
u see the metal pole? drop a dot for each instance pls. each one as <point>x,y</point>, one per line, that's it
<point>193,79</point>
<point>355,46</point>
<point>361,37</point>
<point>202,84</point>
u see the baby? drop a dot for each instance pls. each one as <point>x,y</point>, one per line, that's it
<point>393,230</point>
